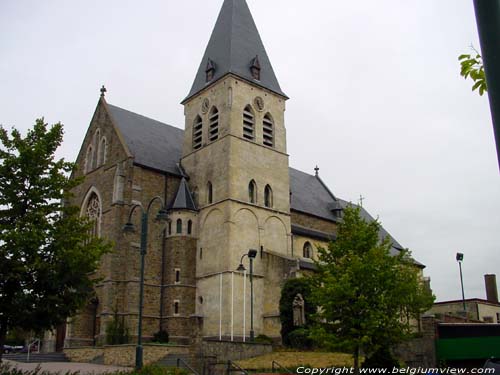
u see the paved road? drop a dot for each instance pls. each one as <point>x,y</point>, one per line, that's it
<point>63,367</point>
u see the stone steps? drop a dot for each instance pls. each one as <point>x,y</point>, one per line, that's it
<point>36,357</point>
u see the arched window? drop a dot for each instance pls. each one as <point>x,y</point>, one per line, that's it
<point>252,192</point>
<point>307,250</point>
<point>93,212</point>
<point>248,123</point>
<point>95,158</point>
<point>210,193</point>
<point>197,133</point>
<point>268,130</point>
<point>169,228</point>
<point>101,152</point>
<point>89,159</point>
<point>190,227</point>
<point>213,123</point>
<point>179,226</point>
<point>268,196</point>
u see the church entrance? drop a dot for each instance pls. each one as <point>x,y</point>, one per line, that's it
<point>60,336</point>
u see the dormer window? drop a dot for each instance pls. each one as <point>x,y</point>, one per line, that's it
<point>210,70</point>
<point>255,68</point>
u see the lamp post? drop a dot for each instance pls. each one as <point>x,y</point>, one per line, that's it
<point>129,227</point>
<point>252,253</point>
<point>460,258</point>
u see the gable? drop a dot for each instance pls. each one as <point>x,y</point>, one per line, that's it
<point>152,144</point>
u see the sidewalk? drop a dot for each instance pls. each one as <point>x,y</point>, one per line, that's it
<point>63,367</point>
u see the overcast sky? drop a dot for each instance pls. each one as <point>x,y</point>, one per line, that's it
<point>376,100</point>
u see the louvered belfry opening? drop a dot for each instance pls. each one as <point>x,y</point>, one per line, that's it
<point>197,133</point>
<point>268,126</point>
<point>248,123</point>
<point>213,121</point>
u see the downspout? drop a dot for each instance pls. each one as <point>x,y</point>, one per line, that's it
<point>163,258</point>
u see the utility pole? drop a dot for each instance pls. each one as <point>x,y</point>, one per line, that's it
<point>488,25</point>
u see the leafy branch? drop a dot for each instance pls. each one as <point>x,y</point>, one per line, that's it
<point>472,66</point>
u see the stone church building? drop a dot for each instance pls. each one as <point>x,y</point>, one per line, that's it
<point>227,186</point>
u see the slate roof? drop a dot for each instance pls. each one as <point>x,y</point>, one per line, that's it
<point>152,143</point>
<point>233,46</point>
<point>159,146</point>
<point>183,199</point>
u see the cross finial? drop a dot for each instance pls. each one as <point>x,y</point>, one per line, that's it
<point>361,199</point>
<point>316,170</point>
<point>103,91</point>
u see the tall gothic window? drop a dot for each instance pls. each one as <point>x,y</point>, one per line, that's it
<point>93,212</point>
<point>252,192</point>
<point>268,130</point>
<point>307,250</point>
<point>213,123</point>
<point>197,133</point>
<point>101,152</point>
<point>268,196</point>
<point>210,193</point>
<point>190,227</point>
<point>89,159</point>
<point>179,226</point>
<point>248,123</point>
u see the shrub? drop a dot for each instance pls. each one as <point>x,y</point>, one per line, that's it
<point>263,339</point>
<point>300,339</point>
<point>381,358</point>
<point>161,337</point>
<point>116,331</point>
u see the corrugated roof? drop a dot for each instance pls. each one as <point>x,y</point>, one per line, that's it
<point>152,143</point>
<point>233,46</point>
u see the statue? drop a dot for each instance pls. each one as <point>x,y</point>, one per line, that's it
<point>299,316</point>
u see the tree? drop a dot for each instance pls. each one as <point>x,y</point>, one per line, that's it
<point>472,66</point>
<point>46,249</point>
<point>368,297</point>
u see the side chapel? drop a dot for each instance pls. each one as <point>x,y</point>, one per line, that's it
<point>227,185</point>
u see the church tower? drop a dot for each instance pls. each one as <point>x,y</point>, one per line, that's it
<point>234,153</point>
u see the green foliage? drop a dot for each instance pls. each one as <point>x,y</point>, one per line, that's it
<point>383,359</point>
<point>291,288</point>
<point>157,370</point>
<point>368,298</point>
<point>8,369</point>
<point>263,339</point>
<point>161,337</point>
<point>300,339</point>
<point>472,66</point>
<point>116,331</point>
<point>16,336</point>
<point>45,248</point>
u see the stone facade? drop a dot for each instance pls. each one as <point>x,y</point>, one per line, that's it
<point>232,156</point>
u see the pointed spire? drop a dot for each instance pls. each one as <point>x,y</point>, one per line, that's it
<point>236,47</point>
<point>183,199</point>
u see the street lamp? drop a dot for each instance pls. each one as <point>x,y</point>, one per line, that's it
<point>129,227</point>
<point>460,258</point>
<point>251,256</point>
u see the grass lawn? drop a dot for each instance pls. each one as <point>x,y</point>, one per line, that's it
<point>293,359</point>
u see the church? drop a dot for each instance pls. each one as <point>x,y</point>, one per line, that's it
<point>224,186</point>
